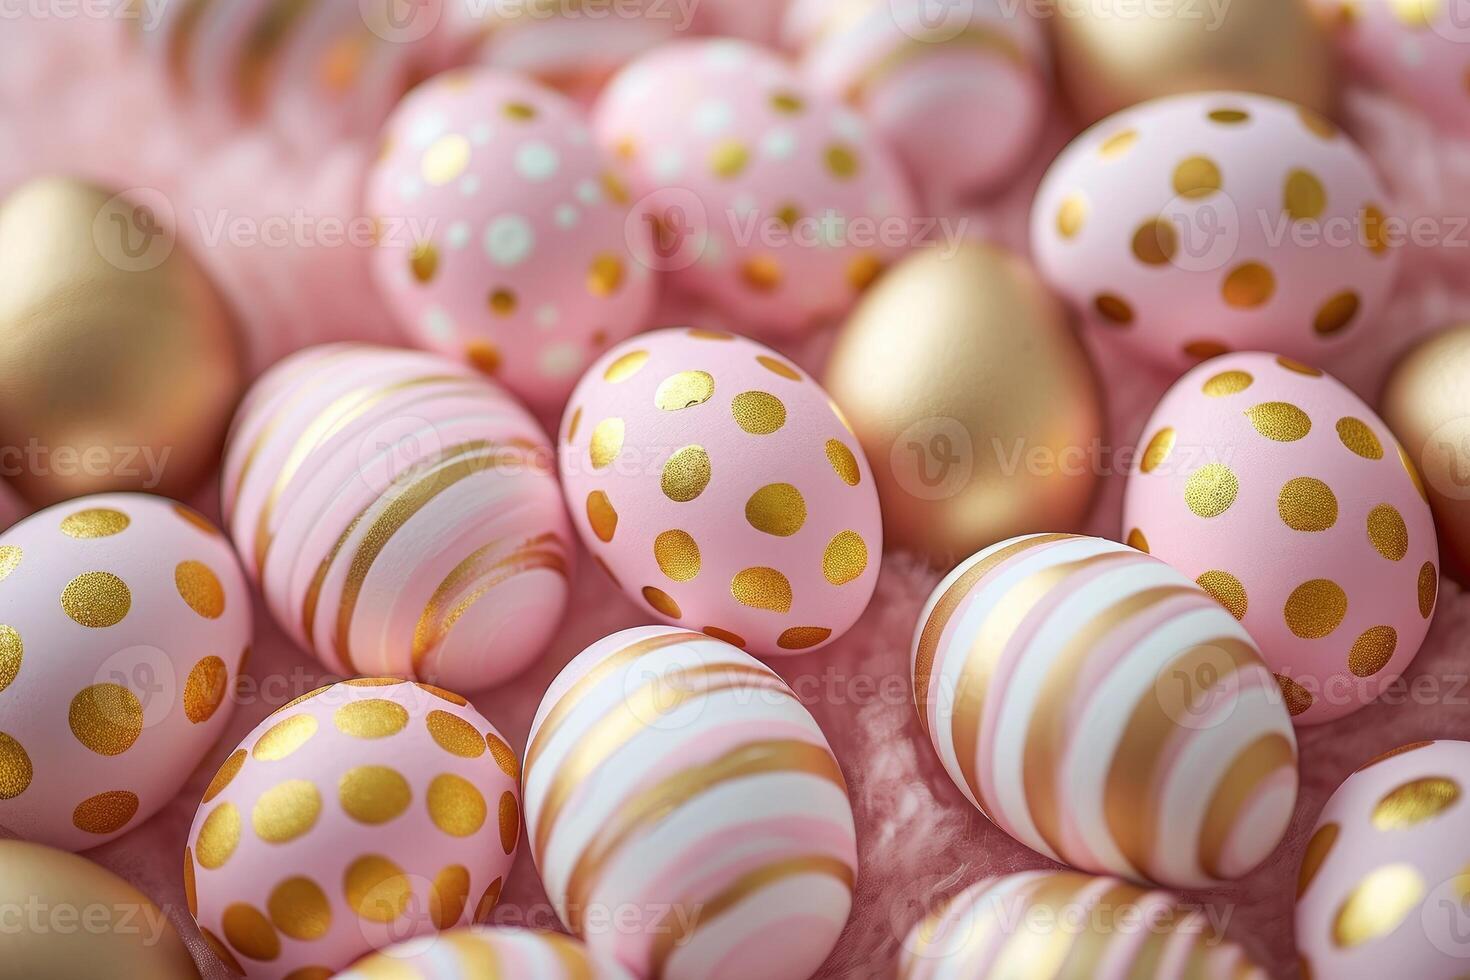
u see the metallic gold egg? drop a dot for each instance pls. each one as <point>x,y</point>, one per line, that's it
<point>68,917</point>
<point>1427,405</point>
<point>118,362</point>
<point>1112,54</point>
<point>974,402</point>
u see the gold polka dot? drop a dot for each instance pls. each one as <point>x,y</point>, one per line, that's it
<point>300,909</point>
<point>1379,903</point>
<point>1413,471</point>
<point>842,161</point>
<point>1197,177</point>
<point>1387,531</point>
<point>374,681</point>
<point>601,515</point>
<point>1357,437</point>
<point>863,271</point>
<point>607,442</point>
<point>1113,308</point>
<point>572,426</point>
<point>1398,750</point>
<point>519,111</point>
<point>286,811</point>
<point>1375,230</point>
<point>677,554</point>
<point>1211,490</point>
<point>625,367</point>
<point>310,973</point>
<point>762,273</point>
<point>96,599</point>
<point>1138,540</point>
<point>12,653</point>
<point>442,694</point>
<point>1303,198</point>
<point>726,636</point>
<point>204,689</point>
<point>455,735</point>
<point>684,390</point>
<point>787,103</point>
<point>200,588</point>
<point>1298,699</point>
<point>445,159</point>
<point>1307,504</point>
<point>843,462</point>
<point>94,522</point>
<point>449,896</point>
<point>373,718</point>
<point>1229,117</point>
<point>1227,590</point>
<point>1248,286</point>
<point>778,367</point>
<point>455,805</point>
<point>1228,383</point>
<point>1414,802</point>
<point>1317,850</point>
<point>376,888</point>
<point>105,813</point>
<point>218,836</point>
<point>10,557</point>
<point>502,302</point>
<point>248,930</point>
<point>191,891</point>
<point>284,737</point>
<point>762,588</point>
<point>1279,421</point>
<point>510,821</point>
<point>1297,367</point>
<point>15,768</point>
<point>483,356</point>
<point>605,275</point>
<point>1203,350</point>
<point>1071,215</point>
<point>1428,588</point>
<point>423,261</point>
<point>375,794</point>
<point>1155,242</point>
<point>1118,145</point>
<point>106,718</point>
<point>504,756</point>
<point>223,776</point>
<point>1373,648</point>
<point>846,558</point>
<point>662,602</point>
<point>1158,449</point>
<point>728,159</point>
<point>758,413</point>
<point>1316,124</point>
<point>1316,608</point>
<point>802,637</point>
<point>1337,313</point>
<point>488,901</point>
<point>686,474</point>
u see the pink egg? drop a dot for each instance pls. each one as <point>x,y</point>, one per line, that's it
<point>124,618</point>
<point>354,817</point>
<point>1382,886</point>
<point>477,952</point>
<point>1289,500</point>
<point>751,20</point>
<point>1194,225</point>
<point>960,97</point>
<point>504,235</point>
<point>400,515</point>
<point>771,200</point>
<point>720,488</point>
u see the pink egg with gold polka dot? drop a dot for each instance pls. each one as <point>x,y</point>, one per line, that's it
<point>770,199</point>
<point>124,623</point>
<point>477,952</point>
<point>1199,224</point>
<point>355,817</point>
<point>1286,498</point>
<point>720,488</point>
<point>504,238</point>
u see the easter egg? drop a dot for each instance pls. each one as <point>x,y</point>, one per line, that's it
<point>1196,225</point>
<point>1382,882</point>
<point>719,487</point>
<point>1096,927</point>
<point>124,620</point>
<point>678,784</point>
<point>1103,710</point>
<point>504,237</point>
<point>400,514</point>
<point>1287,498</point>
<point>475,952</point>
<point>770,200</point>
<point>960,94</point>
<point>68,916</point>
<point>356,816</point>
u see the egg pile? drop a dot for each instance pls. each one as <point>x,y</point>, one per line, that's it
<point>475,952</point>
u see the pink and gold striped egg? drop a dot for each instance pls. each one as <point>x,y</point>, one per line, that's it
<point>1286,497</point>
<point>356,816</point>
<point>477,953</point>
<point>1383,878</point>
<point>400,514</point>
<point>1070,926</point>
<point>720,487</point>
<point>1103,710</point>
<point>124,623</point>
<point>675,782</point>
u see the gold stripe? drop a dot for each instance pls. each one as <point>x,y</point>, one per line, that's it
<point>265,41</point>
<point>181,41</point>
<point>945,608</point>
<point>1033,951</point>
<point>658,802</point>
<point>1092,944</point>
<point>980,38</point>
<point>571,956</point>
<point>1255,762</point>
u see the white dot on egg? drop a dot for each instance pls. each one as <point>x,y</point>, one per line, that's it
<point>547,316</point>
<point>712,118</point>
<point>744,205</point>
<point>725,55</point>
<point>480,134</point>
<point>588,192</point>
<point>579,135</point>
<point>458,235</point>
<point>508,240</point>
<point>438,324</point>
<point>668,163</point>
<point>537,161</point>
<point>832,228</point>
<point>566,216</point>
<point>409,188</point>
<point>469,185</point>
<point>1411,53</point>
<point>779,144</point>
<point>427,128</point>
<point>848,125</point>
<point>561,360</point>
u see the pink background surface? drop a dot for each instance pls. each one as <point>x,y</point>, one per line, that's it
<point>72,102</point>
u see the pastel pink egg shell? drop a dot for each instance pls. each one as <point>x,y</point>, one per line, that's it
<point>1377,551</point>
<point>682,535</point>
<point>400,513</point>
<point>750,20</point>
<point>774,202</point>
<point>754,874</point>
<point>1227,269</point>
<point>473,951</point>
<point>126,620</point>
<point>505,236</point>
<point>1382,878</point>
<point>961,103</point>
<point>357,816</point>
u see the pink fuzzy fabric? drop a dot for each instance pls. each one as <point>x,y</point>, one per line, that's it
<point>73,100</point>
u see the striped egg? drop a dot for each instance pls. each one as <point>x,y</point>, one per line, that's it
<point>400,515</point>
<point>357,816</point>
<point>477,953</point>
<point>1077,926</point>
<point>1105,711</point>
<point>678,788</point>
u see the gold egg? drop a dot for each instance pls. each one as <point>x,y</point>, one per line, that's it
<point>1110,57</point>
<point>73,918</point>
<point>975,403</point>
<point>118,363</point>
<point>1427,405</point>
